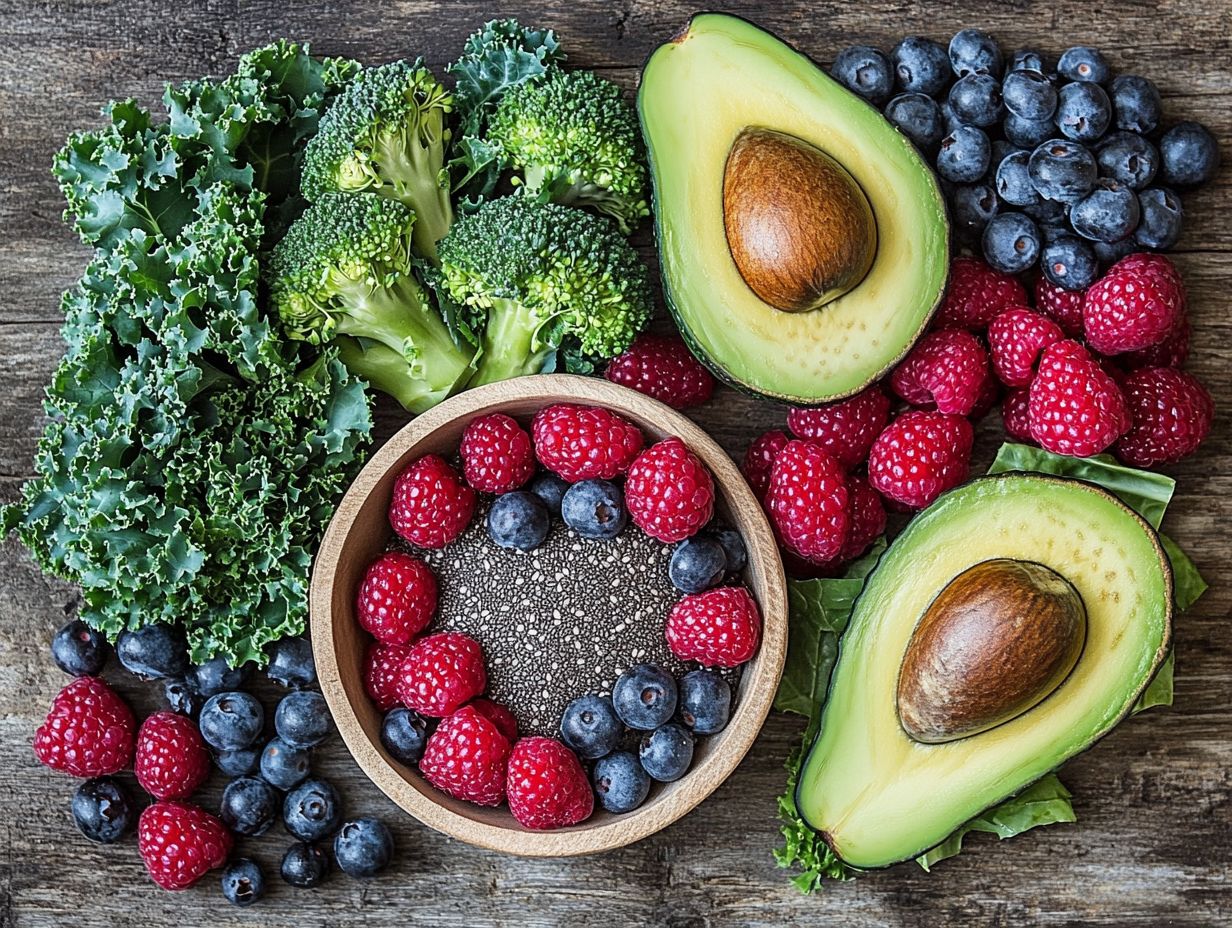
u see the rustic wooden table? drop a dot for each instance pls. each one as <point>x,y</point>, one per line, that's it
<point>1154,842</point>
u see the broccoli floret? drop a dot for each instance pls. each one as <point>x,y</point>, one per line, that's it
<point>574,137</point>
<point>386,133</point>
<point>539,280</point>
<point>345,268</point>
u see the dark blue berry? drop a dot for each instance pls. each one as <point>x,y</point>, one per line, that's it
<point>621,783</point>
<point>182,697</point>
<point>1027,133</point>
<point>1029,59</point>
<point>284,765</point>
<point>964,155</point>
<point>975,52</point>
<point>595,509</point>
<point>666,752</point>
<point>302,719</point>
<point>311,810</point>
<point>304,865</point>
<point>80,650</point>
<point>1135,104</point>
<point>1128,159</point>
<point>1189,155</point>
<point>976,100</point>
<point>972,205</point>
<point>1109,253</point>
<point>103,809</point>
<point>1014,180</point>
<point>1029,94</point>
<point>1001,150</point>
<point>216,676</point>
<point>951,121</point>
<point>590,726</point>
<point>249,806</point>
<point>1062,170</point>
<point>154,652</point>
<point>705,701</point>
<point>291,663</point>
<point>1162,216</point>
<point>230,721</point>
<point>1048,212</point>
<point>921,65</point>
<point>1051,231</point>
<point>919,118</point>
<point>551,489</point>
<point>1084,64</point>
<point>1083,112</point>
<point>1109,213</point>
<point>1070,262</point>
<point>404,733</point>
<point>238,763</point>
<point>734,550</point>
<point>863,70</point>
<point>697,564</point>
<point>363,847</point>
<point>644,696</point>
<point>518,521</point>
<point>1011,243</point>
<point>243,883</point>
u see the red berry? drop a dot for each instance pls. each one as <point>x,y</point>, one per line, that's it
<point>172,759</point>
<point>866,518</point>
<point>1016,339</point>
<point>1015,416</point>
<point>669,492</point>
<point>1147,262</point>
<point>846,429</point>
<point>88,732</point>
<point>1064,307</point>
<point>440,673</point>
<point>498,715</point>
<point>382,669</point>
<point>717,628</point>
<point>663,367</point>
<point>397,598</point>
<point>547,786</point>
<point>180,843</point>
<point>1137,304</point>
<point>1074,406</point>
<point>807,501</point>
<point>990,395</point>
<point>1171,413</point>
<point>759,460</point>
<point>431,505</point>
<point>1173,351</point>
<point>585,442</point>
<point>497,454</point>
<point>975,294</point>
<point>465,757</point>
<point>919,456</point>
<point>946,369</point>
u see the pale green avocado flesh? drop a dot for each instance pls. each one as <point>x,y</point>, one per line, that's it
<point>698,93</point>
<point>878,797</point>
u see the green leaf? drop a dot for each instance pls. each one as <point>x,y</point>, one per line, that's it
<point>1159,690</point>
<point>1187,584</point>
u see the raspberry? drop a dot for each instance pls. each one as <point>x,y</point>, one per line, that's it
<point>866,518</point>
<point>807,501</point>
<point>172,760</point>
<point>498,715</point>
<point>975,294</point>
<point>1173,351</point>
<point>759,460</point>
<point>382,668</point>
<point>669,492</point>
<point>1064,307</point>
<point>945,369</point>
<point>585,442</point>
<point>1074,406</point>
<point>440,673</point>
<point>1137,304</point>
<point>465,757</point>
<point>663,367</point>
<point>497,454</point>
<point>1016,339</point>
<point>180,843</point>
<point>1015,416</point>
<point>431,505</point>
<point>88,732</point>
<point>919,456</point>
<point>547,786</point>
<point>1171,413</point>
<point>990,395</point>
<point>717,628</point>
<point>397,598</point>
<point>846,429</point>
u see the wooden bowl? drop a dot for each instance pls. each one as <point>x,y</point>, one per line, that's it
<point>360,530</point>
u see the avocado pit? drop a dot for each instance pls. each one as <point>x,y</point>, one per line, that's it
<point>997,640</point>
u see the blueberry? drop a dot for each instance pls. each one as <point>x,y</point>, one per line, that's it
<point>291,663</point>
<point>1029,59</point>
<point>1162,215</point>
<point>863,70</point>
<point>249,806</point>
<point>1014,180</point>
<point>1070,262</point>
<point>644,696</point>
<point>230,721</point>
<point>667,752</point>
<point>518,520</point>
<point>595,509</point>
<point>1109,213</point>
<point>284,765</point>
<point>243,883</point>
<point>311,810</point>
<point>1109,253</point>
<point>921,65</point>
<point>973,205</point>
<point>182,697</point>
<point>217,676</point>
<point>1048,212</point>
<point>103,809</point>
<point>1000,150</point>
<point>1062,170</point>
<point>705,701</point>
<point>734,550</point>
<point>239,762</point>
<point>304,865</point>
<point>1029,94</point>
<point>951,121</point>
<point>1027,133</point>
<point>976,100</point>
<point>551,489</point>
<point>1051,231</point>
<point>918,116</point>
<point>1084,64</point>
<point>1190,155</point>
<point>404,733</point>
<point>154,652</point>
<point>1135,103</point>
<point>363,847</point>
<point>964,155</point>
<point>80,650</point>
<point>975,52</point>
<point>697,564</point>
<point>1083,112</point>
<point>1128,159</point>
<point>302,719</point>
<point>621,782</point>
<point>590,726</point>
<point>1011,243</point>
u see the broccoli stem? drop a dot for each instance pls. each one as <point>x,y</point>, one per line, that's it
<point>415,171</point>
<point>511,347</point>
<point>387,371</point>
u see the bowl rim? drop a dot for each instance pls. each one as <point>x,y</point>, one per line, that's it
<point>757,691</point>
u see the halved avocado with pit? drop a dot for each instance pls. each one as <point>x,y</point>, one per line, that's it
<point>755,152</point>
<point>1011,625</point>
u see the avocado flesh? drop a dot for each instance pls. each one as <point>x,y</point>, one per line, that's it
<point>698,93</point>
<point>877,796</point>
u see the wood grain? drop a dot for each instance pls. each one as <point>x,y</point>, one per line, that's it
<point>1154,799</point>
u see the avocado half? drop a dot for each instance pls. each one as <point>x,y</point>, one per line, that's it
<point>699,94</point>
<point>877,795</point>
